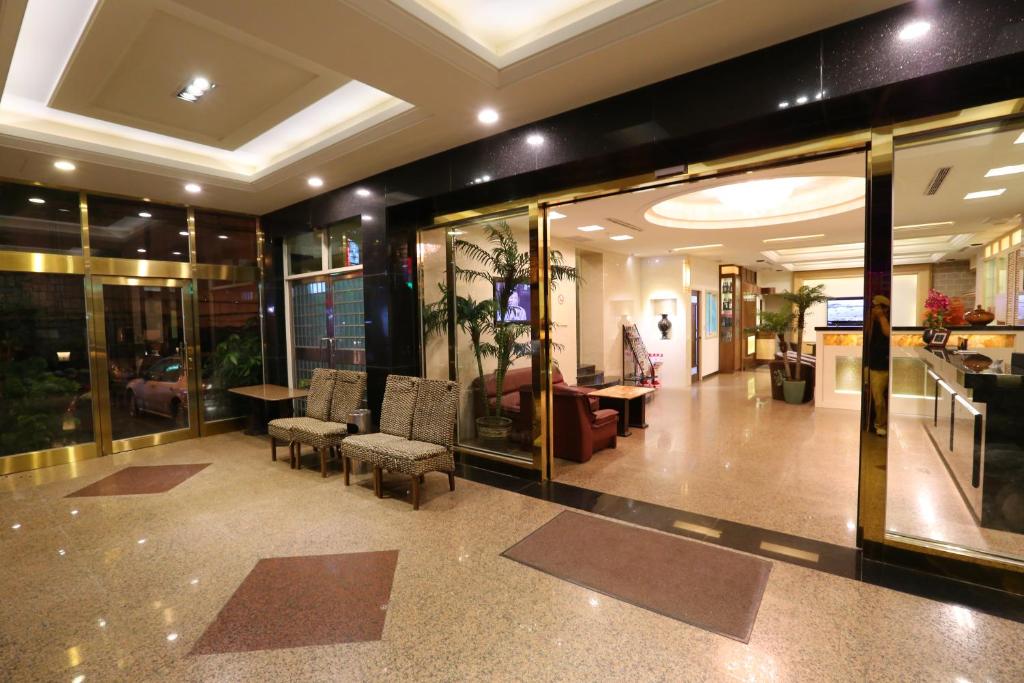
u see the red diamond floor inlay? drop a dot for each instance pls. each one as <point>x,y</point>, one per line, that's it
<point>137,480</point>
<point>303,601</point>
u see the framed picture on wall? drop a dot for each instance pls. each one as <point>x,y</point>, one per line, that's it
<point>710,314</point>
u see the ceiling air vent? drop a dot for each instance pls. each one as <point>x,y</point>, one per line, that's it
<point>624,224</point>
<point>937,180</point>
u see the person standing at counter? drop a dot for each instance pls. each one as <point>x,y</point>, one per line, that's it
<point>878,362</point>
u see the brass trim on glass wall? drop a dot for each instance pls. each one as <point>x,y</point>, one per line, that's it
<point>260,294</point>
<point>223,426</point>
<point>120,267</point>
<point>83,217</point>
<point>21,462</point>
<point>540,334</point>
<point>36,262</point>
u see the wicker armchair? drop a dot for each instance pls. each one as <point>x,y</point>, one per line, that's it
<point>325,436</point>
<point>318,406</point>
<point>417,431</point>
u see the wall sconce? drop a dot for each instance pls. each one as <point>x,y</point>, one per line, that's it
<point>665,308</point>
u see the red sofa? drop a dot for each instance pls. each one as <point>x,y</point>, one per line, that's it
<point>579,430</point>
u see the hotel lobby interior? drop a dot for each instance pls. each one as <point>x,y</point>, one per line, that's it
<point>450,340</point>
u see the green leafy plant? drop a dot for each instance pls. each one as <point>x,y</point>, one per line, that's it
<point>802,299</point>
<point>777,323</point>
<point>238,360</point>
<point>473,317</point>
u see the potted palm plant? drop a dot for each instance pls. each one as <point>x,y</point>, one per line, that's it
<point>504,267</point>
<point>802,299</point>
<point>776,324</point>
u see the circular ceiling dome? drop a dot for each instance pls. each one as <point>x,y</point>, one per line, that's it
<point>755,203</point>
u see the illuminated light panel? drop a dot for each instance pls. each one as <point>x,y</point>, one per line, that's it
<point>1015,238</point>
<point>487,116</point>
<point>914,30</point>
<point>64,165</point>
<point>146,214</point>
<point>982,194</point>
<point>37,200</point>
<point>699,246</point>
<point>620,238</point>
<point>555,215</point>
<point>590,228</point>
<point>793,239</point>
<point>1005,170</point>
<point>757,203</point>
<point>911,226</point>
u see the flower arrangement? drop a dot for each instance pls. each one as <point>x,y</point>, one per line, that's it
<point>936,309</point>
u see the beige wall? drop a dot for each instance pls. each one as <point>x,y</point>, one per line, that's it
<point>661,281</point>
<point>704,278</point>
<point>563,316</point>
<point>591,302</point>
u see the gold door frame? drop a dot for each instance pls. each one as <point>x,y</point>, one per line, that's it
<point>100,381</point>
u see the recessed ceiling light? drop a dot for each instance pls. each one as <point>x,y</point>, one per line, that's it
<point>783,104</point>
<point>1005,170</point>
<point>314,181</point>
<point>222,237</point>
<point>487,115</point>
<point>196,89</point>
<point>699,246</point>
<point>795,237</point>
<point>590,228</point>
<point>921,225</point>
<point>145,199</point>
<point>363,192</point>
<point>802,99</point>
<point>914,30</point>
<point>176,253</point>
<point>621,238</point>
<point>486,178</point>
<point>555,215</point>
<point>64,165</point>
<point>145,214</point>
<point>37,200</point>
<point>183,233</point>
<point>535,140</point>
<point>981,194</point>
<point>367,217</point>
<point>141,251</point>
<point>193,188</point>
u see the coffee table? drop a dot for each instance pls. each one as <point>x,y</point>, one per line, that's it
<point>265,395</point>
<point>629,401</point>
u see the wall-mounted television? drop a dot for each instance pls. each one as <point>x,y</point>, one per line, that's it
<point>844,311</point>
<point>518,310</point>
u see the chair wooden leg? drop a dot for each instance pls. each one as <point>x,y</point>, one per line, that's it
<point>346,467</point>
<point>291,454</point>
<point>377,484</point>
<point>423,478</point>
<point>323,462</point>
<point>451,481</point>
<point>298,455</point>
<point>416,492</point>
<point>273,449</point>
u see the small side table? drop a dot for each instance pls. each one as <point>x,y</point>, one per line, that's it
<point>629,401</point>
<point>269,401</point>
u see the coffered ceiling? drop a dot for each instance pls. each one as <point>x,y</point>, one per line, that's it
<point>339,89</point>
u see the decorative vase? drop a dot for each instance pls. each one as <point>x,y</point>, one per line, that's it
<point>793,390</point>
<point>979,317</point>
<point>665,325</point>
<point>493,428</point>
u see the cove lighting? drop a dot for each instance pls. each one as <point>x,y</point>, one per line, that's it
<point>1005,170</point>
<point>193,188</point>
<point>535,140</point>
<point>590,228</point>
<point>910,226</point>
<point>555,215</point>
<point>363,192</point>
<point>621,238</point>
<point>487,115</point>
<point>914,30</point>
<point>699,246</point>
<point>146,214</point>
<point>314,181</point>
<point>196,89</point>
<point>64,165</point>
<point>981,194</point>
<point>794,237</point>
<point>37,200</point>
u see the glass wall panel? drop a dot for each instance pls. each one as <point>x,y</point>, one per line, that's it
<point>134,229</point>
<point>230,347</point>
<point>225,239</point>
<point>433,264</point>
<point>39,219</point>
<point>349,345</point>
<point>305,253</point>
<point>955,443</point>
<point>345,243</point>
<point>44,363</point>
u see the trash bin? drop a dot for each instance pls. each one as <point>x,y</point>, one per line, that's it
<point>360,421</point>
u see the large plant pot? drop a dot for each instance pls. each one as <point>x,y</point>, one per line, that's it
<point>493,428</point>
<point>793,390</point>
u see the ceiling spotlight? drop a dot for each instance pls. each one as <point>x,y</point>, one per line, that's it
<point>183,233</point>
<point>914,30</point>
<point>363,192</point>
<point>141,251</point>
<point>819,95</point>
<point>590,228</point>
<point>64,165</point>
<point>802,99</point>
<point>193,188</point>
<point>145,199</point>
<point>37,200</point>
<point>486,178</point>
<point>196,89</point>
<point>314,181</point>
<point>535,140</point>
<point>783,104</point>
<point>621,238</point>
<point>366,217</point>
<point>176,253</point>
<point>146,214</point>
<point>555,215</point>
<point>487,116</point>
<point>222,237</point>
<point>981,194</point>
<point>1005,170</point>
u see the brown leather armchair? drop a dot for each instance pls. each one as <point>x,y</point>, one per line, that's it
<point>579,430</point>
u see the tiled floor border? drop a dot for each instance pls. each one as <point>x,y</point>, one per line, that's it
<point>804,552</point>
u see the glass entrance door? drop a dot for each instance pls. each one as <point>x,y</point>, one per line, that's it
<point>327,324</point>
<point>147,387</point>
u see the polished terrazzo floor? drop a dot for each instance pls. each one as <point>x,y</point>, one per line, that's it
<point>122,588</point>
<point>725,449</point>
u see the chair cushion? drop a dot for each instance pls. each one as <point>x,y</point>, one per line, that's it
<point>398,405</point>
<point>313,426</point>
<point>437,403</point>
<point>321,386</point>
<point>366,446</point>
<point>411,450</point>
<point>510,402</point>
<point>604,416</point>
<point>349,387</point>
